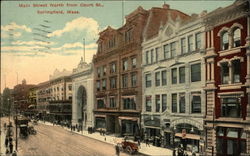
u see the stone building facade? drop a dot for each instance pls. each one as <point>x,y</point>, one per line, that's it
<point>117,76</point>
<point>227,80</point>
<point>83,98</point>
<point>173,76</point>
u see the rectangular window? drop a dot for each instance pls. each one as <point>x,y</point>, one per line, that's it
<point>147,57</point>
<point>157,103</point>
<point>125,65</point>
<point>113,68</point>
<point>104,70</point>
<point>98,86</point>
<point>182,74</point>
<point>148,80</point>
<point>113,82</point>
<point>104,84</point>
<point>166,51</point>
<point>198,41</point>
<point>174,103</point>
<point>183,46</point>
<point>100,103</point>
<point>182,103</point>
<point>156,54</point>
<point>129,103</point>
<point>190,43</point>
<point>230,107</point>
<point>236,71</point>
<point>157,79</point>
<point>224,73</point>
<point>164,77</point>
<point>164,102</point>
<point>133,62</point>
<point>174,76</point>
<point>70,87</point>
<point>152,55</point>
<point>195,72</point>
<point>133,79</point>
<point>196,104</point>
<point>125,81</point>
<point>128,35</point>
<point>173,49</point>
<point>99,72</point>
<point>148,104</point>
<point>112,101</point>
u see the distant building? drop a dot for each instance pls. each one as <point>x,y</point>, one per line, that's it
<point>54,97</point>
<point>82,93</point>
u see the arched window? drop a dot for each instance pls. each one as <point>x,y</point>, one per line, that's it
<point>224,45</point>
<point>236,37</point>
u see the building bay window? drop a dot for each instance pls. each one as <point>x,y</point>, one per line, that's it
<point>112,102</point>
<point>173,49</point>
<point>182,103</point>
<point>104,84</point>
<point>164,102</point>
<point>112,68</point>
<point>152,55</point>
<point>129,103</point>
<point>174,103</point>
<point>183,46</point>
<point>100,103</point>
<point>133,60</point>
<point>236,71</point>
<point>166,51</point>
<point>156,54</point>
<point>190,43</point>
<point>147,57</point>
<point>230,107</point>
<point>99,72</point>
<point>104,69</point>
<point>125,65</point>
<point>174,76</point>
<point>224,73</point>
<point>125,81</point>
<point>164,78</point>
<point>196,104</point>
<point>98,86</point>
<point>198,41</point>
<point>157,79</point>
<point>182,75</point>
<point>236,37</point>
<point>196,72</point>
<point>224,41</point>
<point>148,80</point>
<point>157,103</point>
<point>133,80</point>
<point>230,141</point>
<point>148,104</point>
<point>113,82</point>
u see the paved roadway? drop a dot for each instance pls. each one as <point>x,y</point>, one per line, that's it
<point>56,141</point>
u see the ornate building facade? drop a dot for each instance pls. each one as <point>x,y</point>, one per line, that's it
<point>173,77</point>
<point>83,98</point>
<point>227,80</point>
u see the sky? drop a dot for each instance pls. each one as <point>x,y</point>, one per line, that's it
<point>34,42</point>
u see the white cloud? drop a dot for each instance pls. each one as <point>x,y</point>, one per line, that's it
<point>32,43</point>
<point>18,48</point>
<point>14,26</point>
<point>80,24</point>
<point>5,34</point>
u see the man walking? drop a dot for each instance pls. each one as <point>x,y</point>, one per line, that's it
<point>11,147</point>
<point>6,142</point>
<point>147,142</point>
<point>117,150</point>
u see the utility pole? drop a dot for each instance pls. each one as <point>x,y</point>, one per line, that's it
<point>83,49</point>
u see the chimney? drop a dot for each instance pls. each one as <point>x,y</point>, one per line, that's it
<point>165,6</point>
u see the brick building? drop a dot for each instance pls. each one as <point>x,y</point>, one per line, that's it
<point>227,59</point>
<point>117,76</point>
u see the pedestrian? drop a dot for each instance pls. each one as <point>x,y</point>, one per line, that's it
<point>14,153</point>
<point>174,152</point>
<point>117,150</point>
<point>139,142</point>
<point>147,142</point>
<point>11,147</point>
<point>10,140</point>
<point>6,142</point>
<point>7,151</point>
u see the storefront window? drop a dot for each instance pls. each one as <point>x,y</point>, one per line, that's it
<point>230,107</point>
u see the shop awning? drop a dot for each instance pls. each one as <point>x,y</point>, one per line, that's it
<point>189,136</point>
<point>103,116</point>
<point>127,118</point>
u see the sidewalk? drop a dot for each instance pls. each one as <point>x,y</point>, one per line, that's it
<point>152,150</point>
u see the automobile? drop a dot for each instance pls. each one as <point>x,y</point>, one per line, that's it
<point>23,131</point>
<point>31,130</point>
<point>128,146</point>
